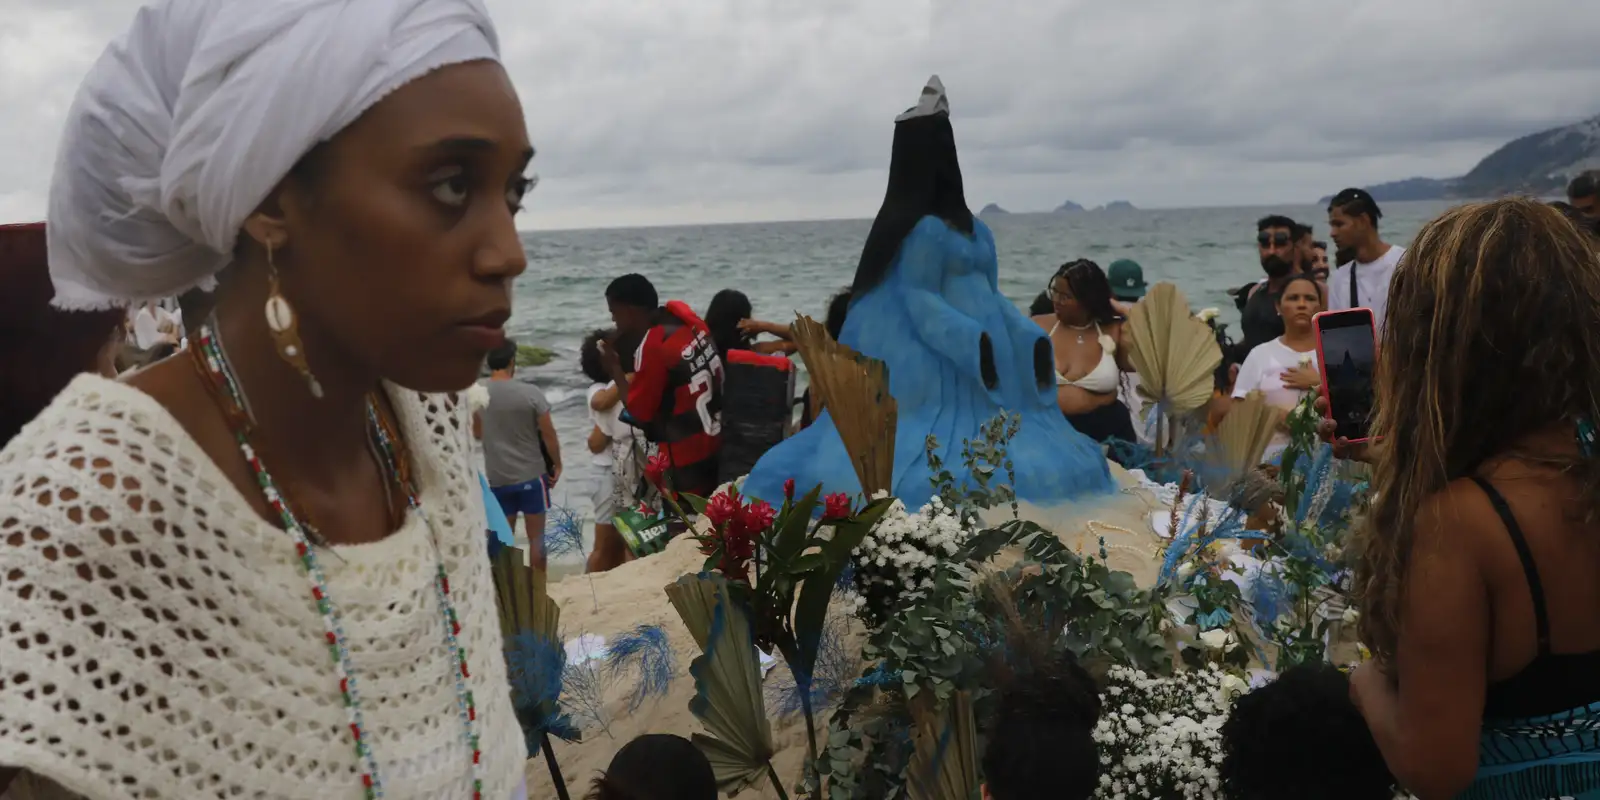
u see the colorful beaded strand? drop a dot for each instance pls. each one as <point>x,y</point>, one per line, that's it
<point>465,704</point>
<point>216,363</point>
<point>333,632</point>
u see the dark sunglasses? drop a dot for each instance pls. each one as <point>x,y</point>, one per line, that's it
<point>1272,239</point>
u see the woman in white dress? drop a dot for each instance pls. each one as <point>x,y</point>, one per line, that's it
<point>257,569</point>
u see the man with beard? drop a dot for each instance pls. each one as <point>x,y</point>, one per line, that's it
<point>1258,305</point>
<point>1363,280</point>
<point>1319,261</point>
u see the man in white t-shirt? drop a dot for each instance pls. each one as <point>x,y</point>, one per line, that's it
<point>1364,281</point>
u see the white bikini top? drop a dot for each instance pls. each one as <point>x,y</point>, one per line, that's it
<point>1103,378</point>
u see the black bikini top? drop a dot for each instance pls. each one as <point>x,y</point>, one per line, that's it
<point>1552,682</point>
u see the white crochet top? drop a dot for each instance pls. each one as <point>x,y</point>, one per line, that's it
<point>158,638</point>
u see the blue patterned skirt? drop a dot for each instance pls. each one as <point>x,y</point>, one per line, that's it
<point>1537,758</point>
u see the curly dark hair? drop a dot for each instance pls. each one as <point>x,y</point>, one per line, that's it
<point>1089,285</point>
<point>656,766</point>
<point>589,361</point>
<point>1041,740</point>
<point>1302,737</point>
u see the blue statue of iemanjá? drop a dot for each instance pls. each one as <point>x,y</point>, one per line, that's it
<point>926,301</point>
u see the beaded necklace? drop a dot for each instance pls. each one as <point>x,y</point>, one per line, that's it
<point>213,364</point>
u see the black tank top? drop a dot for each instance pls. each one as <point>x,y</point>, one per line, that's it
<point>1259,322</point>
<point>1552,682</point>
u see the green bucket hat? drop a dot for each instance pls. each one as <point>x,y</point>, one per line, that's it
<point>1126,278</point>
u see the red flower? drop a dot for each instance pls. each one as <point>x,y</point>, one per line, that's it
<point>755,518</point>
<point>788,489</point>
<point>836,506</point>
<point>656,470</point>
<point>721,510</point>
<point>739,546</point>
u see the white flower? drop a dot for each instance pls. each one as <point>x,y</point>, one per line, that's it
<point>1207,314</point>
<point>1185,571</point>
<point>1351,616</point>
<point>1232,687</point>
<point>1214,639</point>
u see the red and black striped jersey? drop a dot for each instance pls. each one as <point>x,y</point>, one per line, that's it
<point>676,395</point>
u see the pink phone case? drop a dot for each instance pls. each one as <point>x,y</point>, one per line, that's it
<point>1322,359</point>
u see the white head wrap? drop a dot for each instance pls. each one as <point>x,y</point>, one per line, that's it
<point>186,123</point>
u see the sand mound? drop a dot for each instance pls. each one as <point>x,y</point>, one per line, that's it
<point>617,602</point>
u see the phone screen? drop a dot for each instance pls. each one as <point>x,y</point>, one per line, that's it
<point>1349,355</point>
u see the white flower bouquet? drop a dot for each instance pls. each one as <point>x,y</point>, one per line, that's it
<point>1161,738</point>
<point>895,563</point>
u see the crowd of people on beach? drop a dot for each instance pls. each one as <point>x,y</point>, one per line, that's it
<point>241,526</point>
<point>1083,310</point>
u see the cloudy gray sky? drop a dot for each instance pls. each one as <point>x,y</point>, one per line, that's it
<point>670,111</point>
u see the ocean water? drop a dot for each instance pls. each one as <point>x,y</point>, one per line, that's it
<point>789,267</point>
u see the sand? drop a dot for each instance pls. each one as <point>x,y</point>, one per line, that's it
<point>618,601</point>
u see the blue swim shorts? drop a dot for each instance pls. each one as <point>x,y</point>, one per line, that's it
<point>529,499</point>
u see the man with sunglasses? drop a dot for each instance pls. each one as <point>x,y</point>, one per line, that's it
<point>1278,247</point>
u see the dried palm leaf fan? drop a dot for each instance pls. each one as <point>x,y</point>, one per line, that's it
<point>525,605</point>
<point>944,758</point>
<point>1175,356</point>
<point>1243,435</point>
<point>855,390</point>
<point>727,683</point>
<point>527,610</point>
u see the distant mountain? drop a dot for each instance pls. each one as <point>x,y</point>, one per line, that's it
<point>1537,164</point>
<point>1068,207</point>
<point>991,210</point>
<point>1118,205</point>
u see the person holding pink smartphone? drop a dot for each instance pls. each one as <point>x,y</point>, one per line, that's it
<point>1347,350</point>
<point>1476,569</point>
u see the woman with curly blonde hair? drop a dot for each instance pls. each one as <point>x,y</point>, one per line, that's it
<point>1477,568</point>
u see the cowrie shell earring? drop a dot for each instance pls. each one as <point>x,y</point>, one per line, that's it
<point>285,328</point>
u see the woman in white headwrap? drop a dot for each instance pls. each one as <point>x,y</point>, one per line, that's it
<point>258,570</point>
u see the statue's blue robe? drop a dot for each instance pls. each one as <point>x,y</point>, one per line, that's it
<point>925,321</point>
